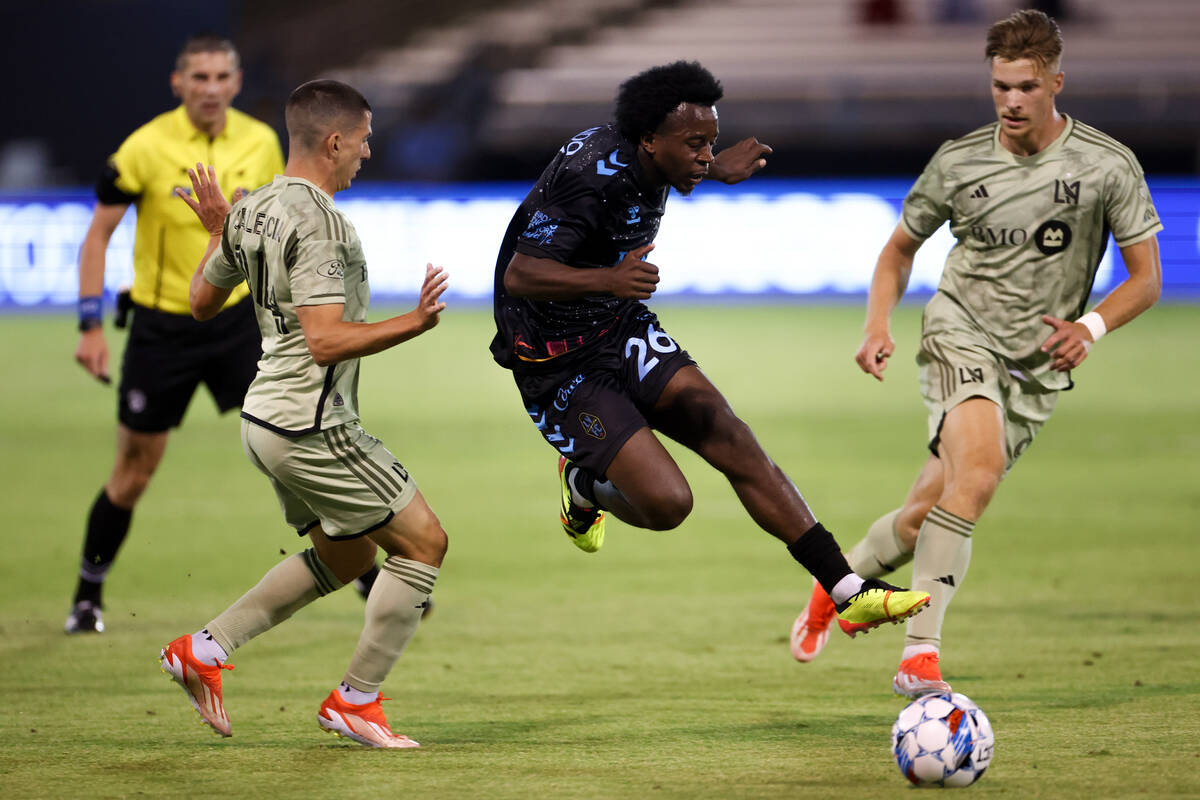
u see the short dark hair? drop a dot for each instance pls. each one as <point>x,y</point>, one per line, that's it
<point>205,43</point>
<point>318,108</point>
<point>1026,34</point>
<point>645,100</point>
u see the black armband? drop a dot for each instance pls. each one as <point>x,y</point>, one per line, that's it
<point>107,191</point>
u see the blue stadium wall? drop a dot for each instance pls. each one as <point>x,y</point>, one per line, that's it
<point>765,239</point>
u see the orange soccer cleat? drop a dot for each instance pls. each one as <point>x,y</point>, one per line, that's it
<point>364,723</point>
<point>811,629</point>
<point>200,681</point>
<point>920,675</point>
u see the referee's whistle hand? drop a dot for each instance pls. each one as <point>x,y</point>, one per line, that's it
<point>92,354</point>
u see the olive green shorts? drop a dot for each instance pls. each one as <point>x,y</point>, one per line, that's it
<point>951,372</point>
<point>342,478</point>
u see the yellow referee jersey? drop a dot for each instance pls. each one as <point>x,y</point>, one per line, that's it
<point>152,162</point>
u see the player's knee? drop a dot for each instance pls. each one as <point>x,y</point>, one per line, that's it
<point>975,486</point>
<point>669,508</point>
<point>427,544</point>
<point>126,486</point>
<point>437,543</point>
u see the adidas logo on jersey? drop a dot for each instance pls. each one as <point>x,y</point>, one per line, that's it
<point>980,192</point>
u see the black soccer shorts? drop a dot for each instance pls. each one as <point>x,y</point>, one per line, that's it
<point>168,355</point>
<point>588,413</point>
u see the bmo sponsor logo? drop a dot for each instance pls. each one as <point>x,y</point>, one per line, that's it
<point>1051,237</point>
<point>999,237</point>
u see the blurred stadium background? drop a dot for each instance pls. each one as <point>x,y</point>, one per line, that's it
<point>659,669</point>
<point>473,97</point>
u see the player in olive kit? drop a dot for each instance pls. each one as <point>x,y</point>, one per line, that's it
<point>168,354</point>
<point>598,374</point>
<point>303,263</point>
<point>1031,200</point>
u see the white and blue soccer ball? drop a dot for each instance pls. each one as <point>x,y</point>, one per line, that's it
<point>943,740</point>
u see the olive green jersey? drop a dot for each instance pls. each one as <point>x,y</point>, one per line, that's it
<point>1030,231</point>
<point>294,248</point>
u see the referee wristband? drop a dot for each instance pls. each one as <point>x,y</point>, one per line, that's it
<point>1094,323</point>
<point>89,312</point>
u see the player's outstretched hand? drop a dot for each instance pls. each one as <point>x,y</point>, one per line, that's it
<point>872,356</point>
<point>209,204</point>
<point>738,162</point>
<point>634,277</point>
<point>1070,343</point>
<point>430,306</point>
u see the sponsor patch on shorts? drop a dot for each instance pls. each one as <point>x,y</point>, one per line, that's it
<point>592,425</point>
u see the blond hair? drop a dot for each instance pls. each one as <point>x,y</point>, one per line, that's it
<point>1026,34</point>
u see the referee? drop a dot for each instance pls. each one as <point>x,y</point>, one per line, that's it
<point>168,353</point>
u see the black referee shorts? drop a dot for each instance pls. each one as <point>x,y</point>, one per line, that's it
<point>168,355</point>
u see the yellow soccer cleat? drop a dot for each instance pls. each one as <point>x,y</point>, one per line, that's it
<point>876,603</point>
<point>585,526</point>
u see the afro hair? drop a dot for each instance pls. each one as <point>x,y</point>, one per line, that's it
<point>645,100</point>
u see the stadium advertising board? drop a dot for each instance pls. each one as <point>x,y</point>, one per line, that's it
<point>765,238</point>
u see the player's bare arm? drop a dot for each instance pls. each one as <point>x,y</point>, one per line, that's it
<point>211,207</point>
<point>892,271</point>
<point>738,162</point>
<point>92,351</point>
<point>547,279</point>
<point>1072,341</point>
<point>331,339</point>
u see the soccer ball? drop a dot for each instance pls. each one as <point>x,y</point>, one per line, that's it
<point>943,740</point>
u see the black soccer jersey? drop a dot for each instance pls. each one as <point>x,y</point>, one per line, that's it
<point>591,206</point>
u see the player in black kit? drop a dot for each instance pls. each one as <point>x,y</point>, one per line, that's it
<point>597,372</point>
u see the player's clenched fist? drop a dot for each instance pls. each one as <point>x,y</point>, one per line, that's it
<point>872,356</point>
<point>633,276</point>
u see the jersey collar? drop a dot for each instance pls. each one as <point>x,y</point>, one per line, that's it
<point>191,132</point>
<point>308,183</point>
<point>1041,155</point>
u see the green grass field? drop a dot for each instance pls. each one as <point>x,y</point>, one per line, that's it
<point>657,668</point>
